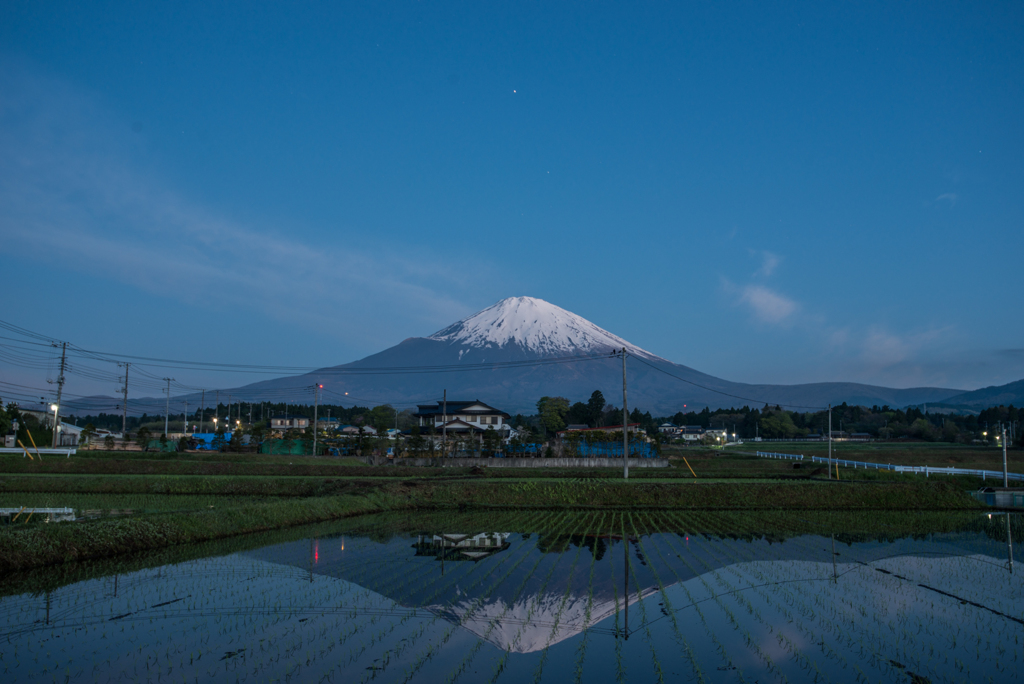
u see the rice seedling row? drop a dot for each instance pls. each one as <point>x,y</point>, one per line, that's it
<point>626,520</point>
<point>438,589</point>
<point>896,609</point>
<point>499,667</point>
<point>581,650</point>
<point>425,656</point>
<point>670,612</point>
<point>558,614</point>
<point>468,659</point>
<point>781,608</point>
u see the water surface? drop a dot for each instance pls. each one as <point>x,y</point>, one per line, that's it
<point>595,597</point>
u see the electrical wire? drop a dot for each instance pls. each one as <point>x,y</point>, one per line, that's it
<point>19,355</point>
<point>711,389</point>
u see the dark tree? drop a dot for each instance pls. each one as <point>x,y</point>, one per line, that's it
<point>595,406</point>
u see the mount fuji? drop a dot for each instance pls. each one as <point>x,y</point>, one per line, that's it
<point>522,348</point>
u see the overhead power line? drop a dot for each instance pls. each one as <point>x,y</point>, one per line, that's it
<point>726,394</point>
<point>29,353</point>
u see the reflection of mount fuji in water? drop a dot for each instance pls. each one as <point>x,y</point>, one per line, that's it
<point>538,588</point>
<point>528,609</point>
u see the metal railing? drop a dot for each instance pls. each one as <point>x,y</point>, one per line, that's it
<point>62,451</point>
<point>927,470</point>
<point>788,457</point>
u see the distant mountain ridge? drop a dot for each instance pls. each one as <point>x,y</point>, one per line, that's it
<point>524,329</point>
<point>1010,393</point>
<point>522,348</point>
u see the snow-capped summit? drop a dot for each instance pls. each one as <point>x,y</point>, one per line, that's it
<point>535,326</point>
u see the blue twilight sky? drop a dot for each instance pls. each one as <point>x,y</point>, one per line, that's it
<point>765,193</point>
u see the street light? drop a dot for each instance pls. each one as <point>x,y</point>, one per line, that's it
<point>56,428</point>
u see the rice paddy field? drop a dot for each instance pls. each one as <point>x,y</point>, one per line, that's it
<point>543,596</point>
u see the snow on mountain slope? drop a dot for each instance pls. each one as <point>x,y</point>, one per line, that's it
<point>536,326</point>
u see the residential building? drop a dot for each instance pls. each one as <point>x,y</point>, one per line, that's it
<point>457,547</point>
<point>719,435</point>
<point>331,424</point>
<point>691,433</point>
<point>463,418</point>
<point>287,422</point>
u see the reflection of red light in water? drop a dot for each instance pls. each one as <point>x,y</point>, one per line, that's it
<point>316,554</point>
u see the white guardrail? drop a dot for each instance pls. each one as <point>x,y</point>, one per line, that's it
<point>62,451</point>
<point>927,470</point>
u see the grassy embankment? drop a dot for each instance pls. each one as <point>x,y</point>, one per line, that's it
<point>146,503</point>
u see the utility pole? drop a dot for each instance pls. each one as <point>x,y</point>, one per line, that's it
<point>830,441</point>
<point>60,388</point>
<point>625,422</point>
<point>444,423</point>
<point>202,414</point>
<point>124,408</point>
<point>167,406</point>
<point>316,405</point>
<point>184,420</point>
<point>1006,477</point>
<point>216,411</point>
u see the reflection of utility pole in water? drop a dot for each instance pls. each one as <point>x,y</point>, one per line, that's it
<point>310,560</point>
<point>625,558</point>
<point>1009,543</point>
<point>47,607</point>
<point>835,576</point>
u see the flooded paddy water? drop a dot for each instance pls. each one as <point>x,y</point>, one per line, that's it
<point>547,597</point>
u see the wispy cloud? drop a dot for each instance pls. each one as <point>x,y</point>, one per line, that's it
<point>71,187</point>
<point>769,262</point>
<point>900,359</point>
<point>767,305</point>
<point>950,197</point>
<point>882,349</point>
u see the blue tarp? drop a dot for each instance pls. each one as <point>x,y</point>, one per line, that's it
<point>204,440</point>
<point>612,450</point>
